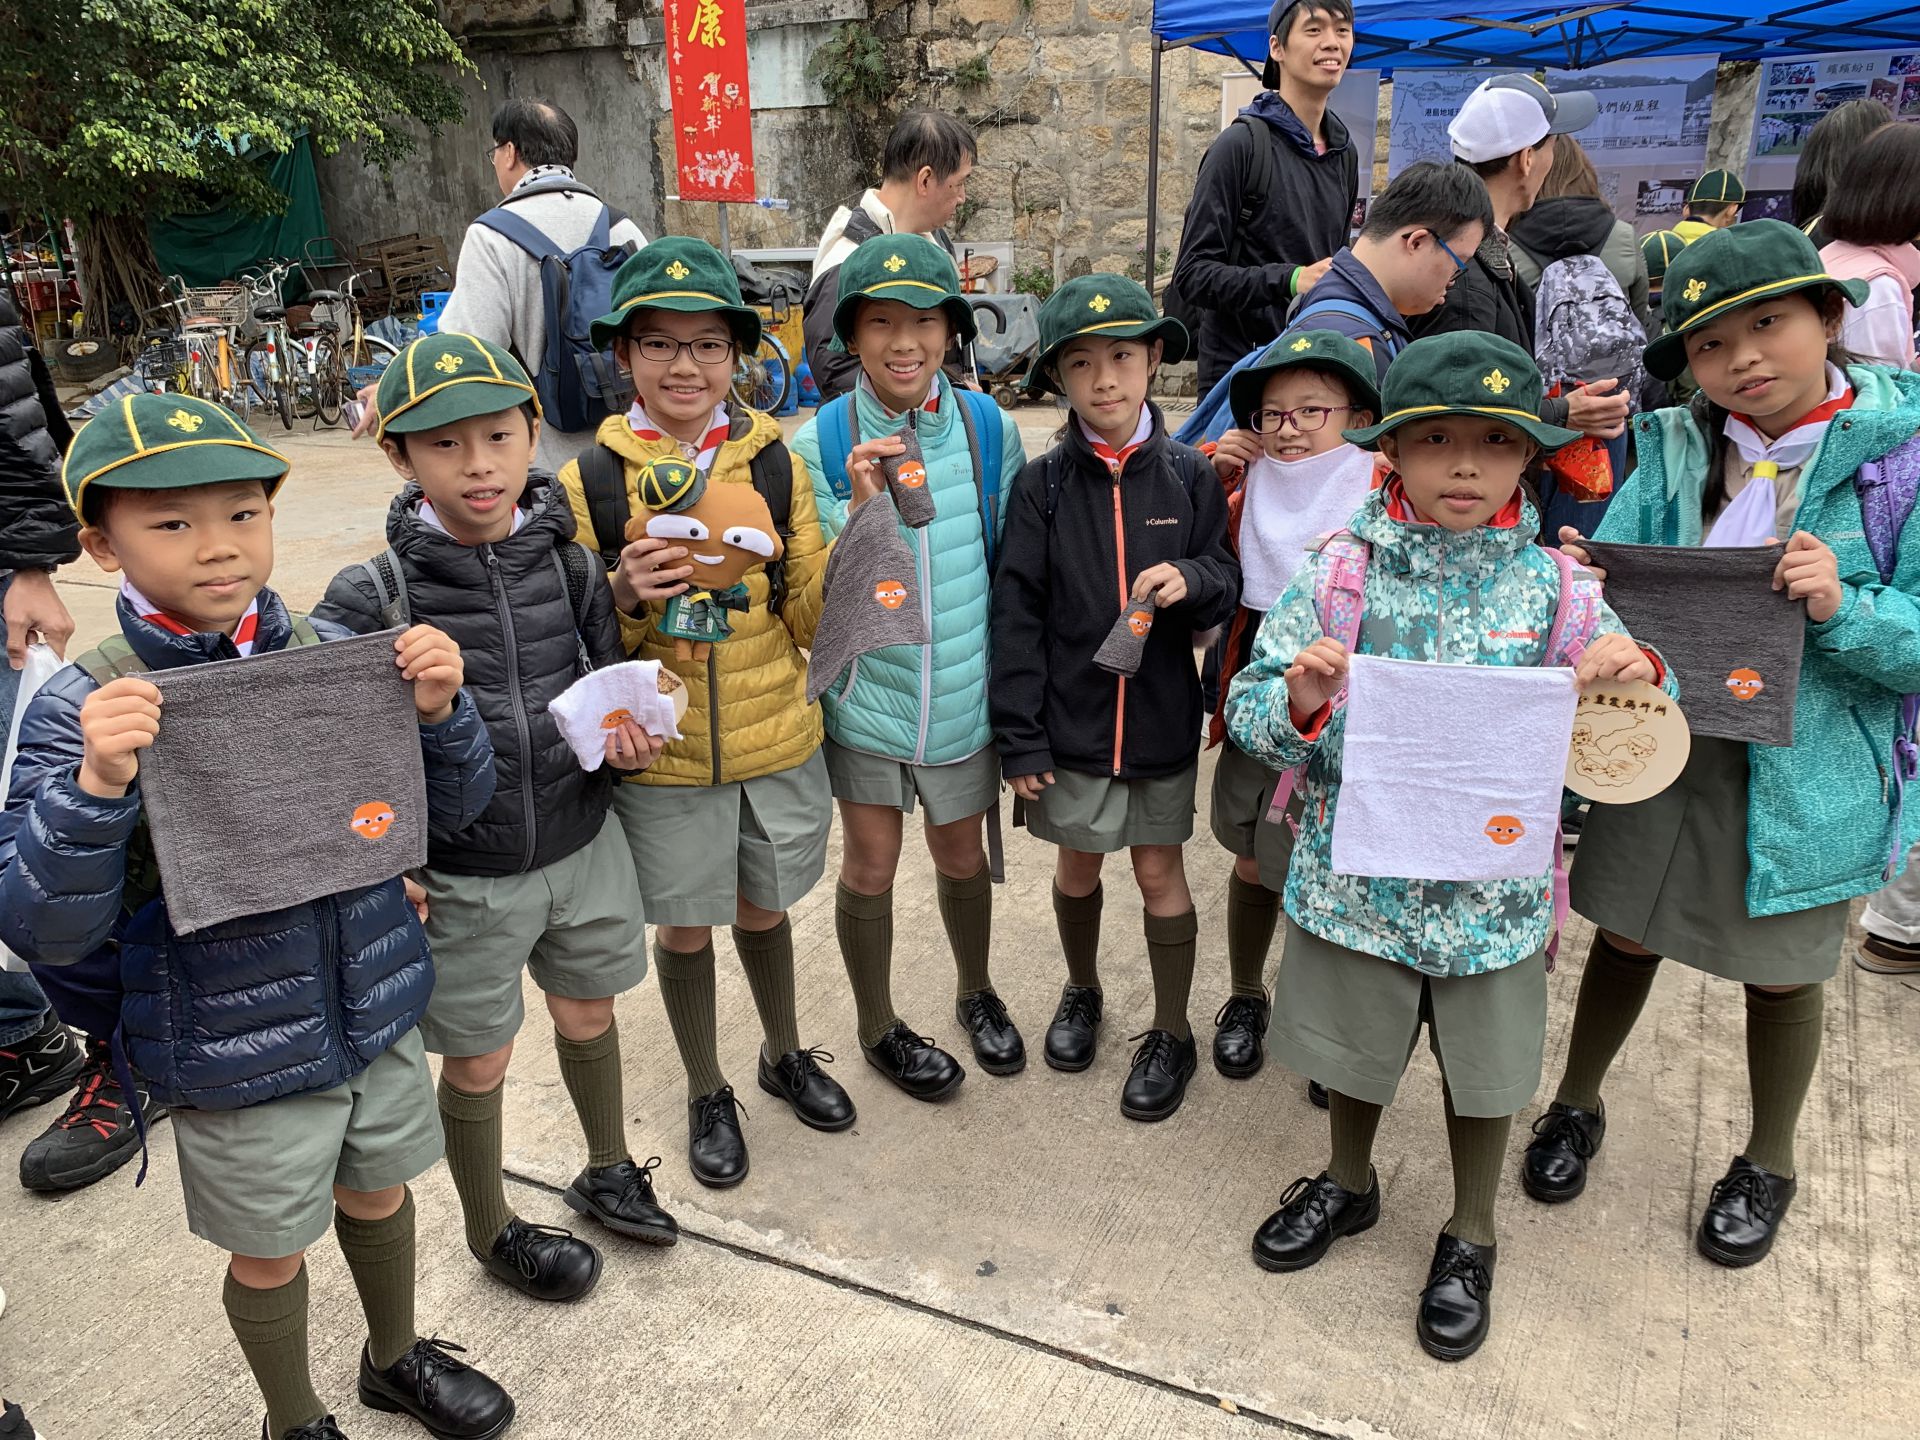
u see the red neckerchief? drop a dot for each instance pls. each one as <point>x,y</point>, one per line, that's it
<point>1399,507</point>
<point>1117,459</point>
<point>644,428</point>
<point>1820,413</point>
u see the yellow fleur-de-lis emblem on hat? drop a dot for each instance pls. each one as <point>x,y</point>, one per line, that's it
<point>895,264</point>
<point>447,364</point>
<point>186,420</point>
<point>1098,304</point>
<point>1696,287</point>
<point>1301,344</point>
<point>1496,382</point>
<point>677,271</point>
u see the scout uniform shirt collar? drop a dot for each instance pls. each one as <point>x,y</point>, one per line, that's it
<point>426,513</point>
<point>1798,443</point>
<point>931,406</point>
<point>243,633</point>
<point>1115,459</point>
<point>700,456</point>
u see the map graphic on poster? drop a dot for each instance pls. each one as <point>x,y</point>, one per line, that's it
<point>1795,93</point>
<point>1649,141</point>
<point>1424,103</point>
<point>1356,100</point>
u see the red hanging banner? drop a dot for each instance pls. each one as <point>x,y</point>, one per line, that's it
<point>712,116</point>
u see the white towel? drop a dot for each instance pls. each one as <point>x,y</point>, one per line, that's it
<point>1290,504</point>
<point>1451,772</point>
<point>600,699</point>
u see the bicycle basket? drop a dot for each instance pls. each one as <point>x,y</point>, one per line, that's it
<point>217,305</point>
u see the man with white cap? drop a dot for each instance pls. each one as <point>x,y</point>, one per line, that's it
<point>1504,134</point>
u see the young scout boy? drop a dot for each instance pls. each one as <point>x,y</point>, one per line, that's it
<point>300,1092</point>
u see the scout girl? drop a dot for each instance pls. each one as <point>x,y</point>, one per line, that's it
<point>907,725</point>
<point>1744,867</point>
<point>1116,529</point>
<point>1293,476</point>
<point>729,825</point>
<point>1367,961</point>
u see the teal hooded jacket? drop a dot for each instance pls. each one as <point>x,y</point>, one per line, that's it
<point>1820,813</point>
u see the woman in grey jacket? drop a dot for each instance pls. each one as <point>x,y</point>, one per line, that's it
<point>1571,218</point>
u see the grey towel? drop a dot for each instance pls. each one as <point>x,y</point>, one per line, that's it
<point>280,778</point>
<point>1126,644</point>
<point>871,597</point>
<point>906,476</point>
<point>1733,641</point>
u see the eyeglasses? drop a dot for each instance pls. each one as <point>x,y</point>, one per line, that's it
<point>494,149</point>
<point>1458,263</point>
<point>664,350</point>
<point>1304,418</point>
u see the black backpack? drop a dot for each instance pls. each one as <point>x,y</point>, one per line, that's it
<point>1253,204</point>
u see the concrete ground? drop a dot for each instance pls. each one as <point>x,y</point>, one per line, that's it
<point>1021,1260</point>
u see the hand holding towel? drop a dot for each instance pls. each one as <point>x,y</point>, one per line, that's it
<point>637,690</point>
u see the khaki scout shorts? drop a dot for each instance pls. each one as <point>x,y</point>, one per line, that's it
<point>949,792</point>
<point>1242,791</point>
<point>1097,814</point>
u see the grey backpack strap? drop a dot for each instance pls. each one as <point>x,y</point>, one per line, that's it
<point>576,598</point>
<point>389,589</point>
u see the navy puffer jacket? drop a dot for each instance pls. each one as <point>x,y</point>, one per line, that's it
<point>239,1013</point>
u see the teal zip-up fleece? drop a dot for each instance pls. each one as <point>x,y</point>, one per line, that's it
<point>924,704</point>
<point>1819,812</point>
<point>1487,596</point>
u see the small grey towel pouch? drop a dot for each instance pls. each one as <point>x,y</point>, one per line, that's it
<point>283,777</point>
<point>871,597</point>
<point>1126,644</point>
<point>906,476</point>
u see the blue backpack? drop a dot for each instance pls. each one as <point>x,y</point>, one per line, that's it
<point>579,385</point>
<point>978,413</point>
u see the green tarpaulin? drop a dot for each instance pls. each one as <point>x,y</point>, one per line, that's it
<point>206,249</point>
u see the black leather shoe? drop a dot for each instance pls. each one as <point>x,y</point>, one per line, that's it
<point>321,1429</point>
<point>621,1198</point>
<point>799,1080</point>
<point>1157,1084</point>
<point>716,1150</point>
<point>1554,1168</point>
<point>1457,1306</point>
<point>1317,1094</point>
<point>997,1046</point>
<point>1744,1213</point>
<point>542,1261</point>
<point>1313,1214</point>
<point>1240,1036</point>
<point>448,1396</point>
<point>914,1063</point>
<point>1074,1036</point>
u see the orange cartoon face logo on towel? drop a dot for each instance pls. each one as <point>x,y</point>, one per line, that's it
<point>372,820</point>
<point>1140,621</point>
<point>911,474</point>
<point>1504,829</point>
<point>1745,684</point>
<point>613,719</point>
<point>890,593</point>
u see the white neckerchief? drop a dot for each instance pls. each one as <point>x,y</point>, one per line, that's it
<point>1793,448</point>
<point>1289,505</point>
<point>426,513</point>
<point>148,611</point>
<point>701,454</point>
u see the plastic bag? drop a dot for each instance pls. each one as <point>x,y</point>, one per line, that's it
<point>42,665</point>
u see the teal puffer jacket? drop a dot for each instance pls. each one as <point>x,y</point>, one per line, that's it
<point>924,704</point>
<point>1820,822</point>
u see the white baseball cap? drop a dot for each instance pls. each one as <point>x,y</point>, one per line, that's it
<point>1511,113</point>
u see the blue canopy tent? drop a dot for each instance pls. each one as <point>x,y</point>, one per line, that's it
<point>1525,35</point>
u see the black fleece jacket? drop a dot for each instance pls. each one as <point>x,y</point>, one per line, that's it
<point>1059,587</point>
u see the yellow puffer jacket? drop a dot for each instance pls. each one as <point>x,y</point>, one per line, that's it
<point>747,710</point>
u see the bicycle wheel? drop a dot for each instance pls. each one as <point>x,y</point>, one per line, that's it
<point>329,380</point>
<point>253,381</point>
<point>763,379</point>
<point>283,401</point>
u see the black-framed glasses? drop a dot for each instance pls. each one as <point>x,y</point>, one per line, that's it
<point>1458,263</point>
<point>1304,418</point>
<point>664,349</point>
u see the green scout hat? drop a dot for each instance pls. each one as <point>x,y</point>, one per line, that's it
<point>1717,187</point>
<point>1111,307</point>
<point>439,379</point>
<point>1757,260</point>
<point>677,272</point>
<point>1314,350</point>
<point>1658,250</point>
<point>167,442</point>
<point>908,268</point>
<point>1465,372</point>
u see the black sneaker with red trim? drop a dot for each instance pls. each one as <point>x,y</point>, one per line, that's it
<point>38,1068</point>
<point>94,1138</point>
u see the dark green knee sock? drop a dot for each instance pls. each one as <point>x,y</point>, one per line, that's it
<point>1170,946</point>
<point>379,1253</point>
<point>864,924</point>
<point>1613,991</point>
<point>591,1070</point>
<point>271,1326</point>
<point>767,957</point>
<point>1478,1146</point>
<point>1783,1042</point>
<point>1078,918</point>
<point>686,988</point>
<point>1252,913</point>
<point>1353,1123</point>
<point>966,909</point>
<point>472,1127</point>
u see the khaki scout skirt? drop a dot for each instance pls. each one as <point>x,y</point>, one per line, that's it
<point>1097,814</point>
<point>1670,874</point>
<point>1242,791</point>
